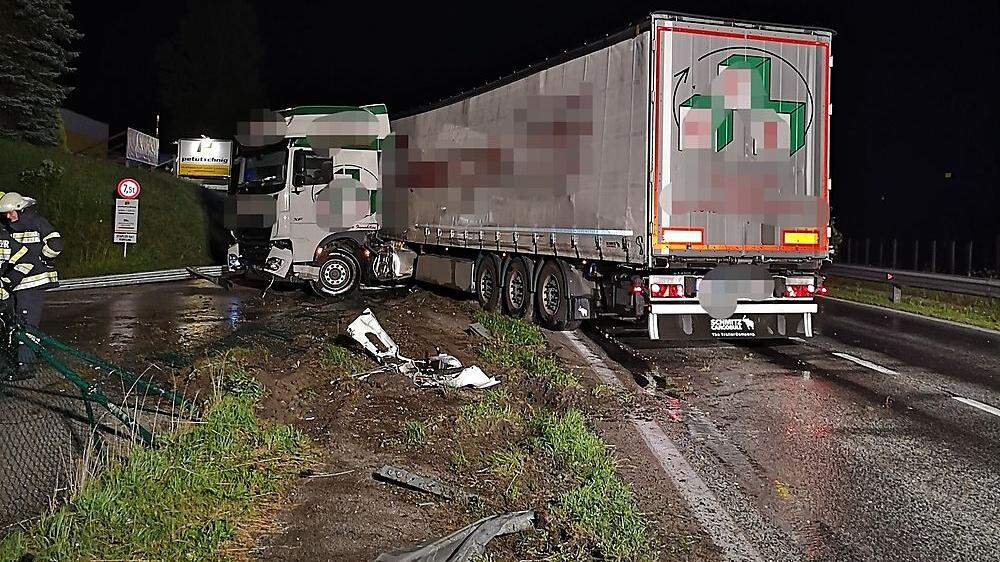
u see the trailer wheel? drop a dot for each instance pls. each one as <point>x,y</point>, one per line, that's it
<point>338,275</point>
<point>488,283</point>
<point>517,301</point>
<point>553,301</point>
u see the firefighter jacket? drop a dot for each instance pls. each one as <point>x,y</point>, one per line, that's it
<point>13,265</point>
<point>42,243</point>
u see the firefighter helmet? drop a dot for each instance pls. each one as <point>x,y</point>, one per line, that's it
<point>14,201</point>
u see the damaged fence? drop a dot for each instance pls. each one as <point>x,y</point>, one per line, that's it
<point>49,423</point>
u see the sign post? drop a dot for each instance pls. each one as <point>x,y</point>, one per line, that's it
<point>127,213</point>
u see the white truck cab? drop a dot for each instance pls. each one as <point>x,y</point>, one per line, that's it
<point>304,200</point>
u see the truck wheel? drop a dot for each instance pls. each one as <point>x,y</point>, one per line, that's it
<point>338,275</point>
<point>517,288</point>
<point>488,283</point>
<point>553,302</point>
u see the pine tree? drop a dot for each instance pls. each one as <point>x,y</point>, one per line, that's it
<point>35,53</point>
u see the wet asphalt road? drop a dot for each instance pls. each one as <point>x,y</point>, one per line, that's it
<point>819,457</point>
<point>815,456</point>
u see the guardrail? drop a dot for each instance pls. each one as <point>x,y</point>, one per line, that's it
<point>141,277</point>
<point>918,279</point>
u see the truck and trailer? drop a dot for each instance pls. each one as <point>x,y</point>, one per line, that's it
<point>676,174</point>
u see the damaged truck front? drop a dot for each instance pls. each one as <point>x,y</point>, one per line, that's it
<point>304,198</point>
<point>675,174</point>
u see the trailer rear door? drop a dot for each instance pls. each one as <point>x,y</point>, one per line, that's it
<point>740,140</point>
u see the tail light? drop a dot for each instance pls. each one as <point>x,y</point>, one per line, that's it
<point>821,290</point>
<point>666,286</point>
<point>801,287</point>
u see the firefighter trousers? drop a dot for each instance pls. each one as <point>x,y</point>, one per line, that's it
<point>29,312</point>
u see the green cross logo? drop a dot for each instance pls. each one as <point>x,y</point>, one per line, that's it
<point>744,82</point>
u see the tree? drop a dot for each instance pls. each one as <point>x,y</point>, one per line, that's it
<point>209,76</point>
<point>35,54</point>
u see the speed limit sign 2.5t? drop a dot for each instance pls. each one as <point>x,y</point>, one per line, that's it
<point>128,188</point>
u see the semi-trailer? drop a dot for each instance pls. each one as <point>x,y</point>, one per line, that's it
<point>676,173</point>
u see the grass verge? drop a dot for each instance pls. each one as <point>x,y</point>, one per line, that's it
<point>598,508</point>
<point>977,311</point>
<point>601,505</point>
<point>76,193</point>
<point>188,498</point>
<point>520,345</point>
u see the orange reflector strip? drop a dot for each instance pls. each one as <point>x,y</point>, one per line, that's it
<point>800,237</point>
<point>683,235</point>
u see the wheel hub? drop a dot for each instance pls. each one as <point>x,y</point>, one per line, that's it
<point>550,295</point>
<point>516,289</point>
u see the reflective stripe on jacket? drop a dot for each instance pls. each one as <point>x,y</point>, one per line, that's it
<point>42,243</point>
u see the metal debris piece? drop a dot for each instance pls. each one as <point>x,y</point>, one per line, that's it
<point>408,479</point>
<point>438,370</point>
<point>477,329</point>
<point>466,542</point>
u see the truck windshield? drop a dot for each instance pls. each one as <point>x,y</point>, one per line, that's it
<point>262,173</point>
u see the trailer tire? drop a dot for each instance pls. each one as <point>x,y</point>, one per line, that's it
<point>553,302</point>
<point>488,283</point>
<point>516,294</point>
<point>339,274</point>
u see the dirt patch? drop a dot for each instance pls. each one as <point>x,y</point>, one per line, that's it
<point>339,511</point>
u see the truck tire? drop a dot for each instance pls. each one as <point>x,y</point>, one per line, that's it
<point>517,295</point>
<point>488,283</point>
<point>338,274</point>
<point>553,302</point>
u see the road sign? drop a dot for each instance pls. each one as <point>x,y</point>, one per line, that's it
<point>128,188</point>
<point>127,215</point>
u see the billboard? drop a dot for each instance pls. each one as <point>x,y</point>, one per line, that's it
<point>142,147</point>
<point>203,158</point>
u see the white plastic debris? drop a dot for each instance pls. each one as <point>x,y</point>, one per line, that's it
<point>438,370</point>
<point>369,333</point>
<point>471,376</point>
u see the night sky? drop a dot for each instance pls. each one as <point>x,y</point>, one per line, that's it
<point>915,93</point>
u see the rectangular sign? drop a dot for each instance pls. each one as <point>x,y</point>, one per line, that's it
<point>126,216</point>
<point>203,158</point>
<point>125,237</point>
<point>142,147</point>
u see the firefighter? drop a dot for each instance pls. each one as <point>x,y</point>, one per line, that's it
<point>34,272</point>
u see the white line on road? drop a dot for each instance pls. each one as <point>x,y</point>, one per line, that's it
<point>864,363</point>
<point>700,499</point>
<point>978,404</point>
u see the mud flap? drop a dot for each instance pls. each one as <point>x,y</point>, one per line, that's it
<point>739,326</point>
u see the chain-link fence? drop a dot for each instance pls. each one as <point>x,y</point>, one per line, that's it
<point>51,424</point>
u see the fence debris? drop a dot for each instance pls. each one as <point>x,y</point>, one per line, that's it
<point>466,542</point>
<point>407,479</point>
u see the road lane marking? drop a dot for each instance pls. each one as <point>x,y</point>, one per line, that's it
<point>701,501</point>
<point>978,404</point>
<point>864,363</point>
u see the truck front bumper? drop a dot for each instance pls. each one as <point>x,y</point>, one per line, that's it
<point>689,321</point>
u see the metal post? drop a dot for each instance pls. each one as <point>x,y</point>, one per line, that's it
<point>850,252</point>
<point>896,295</point>
<point>868,247</point>
<point>881,253</point>
<point>933,256</point>
<point>951,258</point>
<point>894,253</point>
<point>916,255</point>
<point>968,261</point>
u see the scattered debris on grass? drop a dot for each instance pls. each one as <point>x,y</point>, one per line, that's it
<point>439,370</point>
